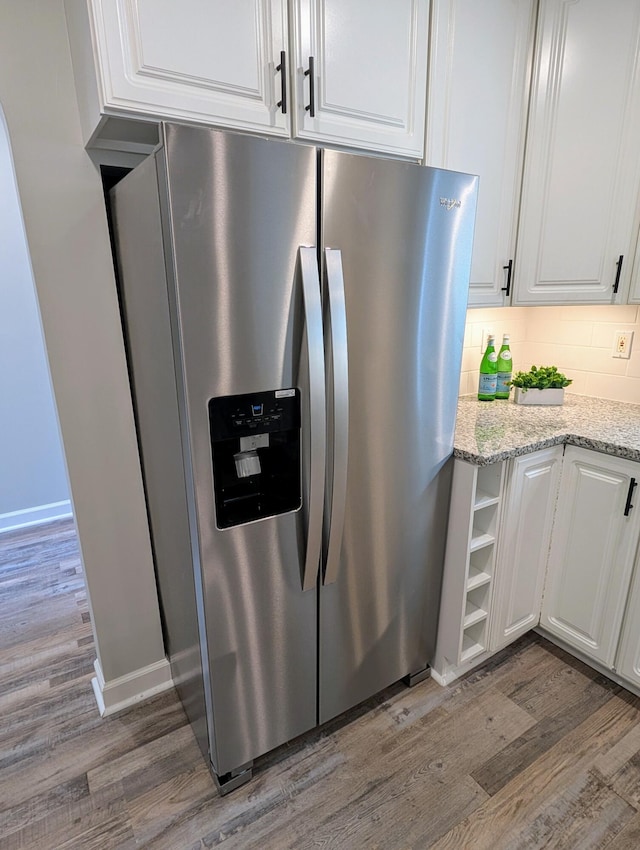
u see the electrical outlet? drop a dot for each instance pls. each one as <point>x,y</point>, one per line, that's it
<point>622,344</point>
<point>485,334</point>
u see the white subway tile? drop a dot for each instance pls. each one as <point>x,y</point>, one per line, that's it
<point>599,313</point>
<point>600,360</point>
<point>633,363</point>
<point>562,333</point>
<point>578,383</point>
<point>604,332</point>
<point>615,387</point>
<point>471,358</point>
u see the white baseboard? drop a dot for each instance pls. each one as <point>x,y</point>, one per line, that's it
<point>449,673</point>
<point>34,516</point>
<point>128,690</point>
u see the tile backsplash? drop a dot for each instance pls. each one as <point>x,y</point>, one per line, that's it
<point>578,340</point>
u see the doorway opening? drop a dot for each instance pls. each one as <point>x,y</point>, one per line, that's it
<point>42,586</point>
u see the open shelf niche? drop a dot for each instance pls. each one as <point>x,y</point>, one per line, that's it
<point>463,631</point>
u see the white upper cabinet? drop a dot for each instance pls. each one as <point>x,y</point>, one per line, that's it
<point>594,541</point>
<point>228,63</point>
<point>582,168</point>
<point>478,92</point>
<point>198,60</point>
<point>359,73</point>
<point>634,292</point>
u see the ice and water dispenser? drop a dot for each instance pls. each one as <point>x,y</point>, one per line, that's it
<point>255,443</point>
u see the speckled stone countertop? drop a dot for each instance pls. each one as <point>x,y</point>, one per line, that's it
<point>487,432</point>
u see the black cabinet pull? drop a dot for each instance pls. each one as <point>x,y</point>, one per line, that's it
<point>310,72</point>
<point>282,67</point>
<point>618,272</point>
<point>509,269</point>
<point>629,506</point>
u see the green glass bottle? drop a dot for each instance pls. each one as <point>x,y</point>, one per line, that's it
<point>488,372</point>
<point>503,385</point>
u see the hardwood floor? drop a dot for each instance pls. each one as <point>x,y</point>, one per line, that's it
<point>534,750</point>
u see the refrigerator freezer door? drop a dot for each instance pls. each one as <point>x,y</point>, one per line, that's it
<point>405,233</point>
<point>239,209</point>
<point>317,414</point>
<point>338,418</point>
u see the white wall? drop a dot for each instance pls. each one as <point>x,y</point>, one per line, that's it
<point>66,229</point>
<point>578,340</point>
<point>33,484</point>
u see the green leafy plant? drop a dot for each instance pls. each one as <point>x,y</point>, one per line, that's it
<point>542,378</point>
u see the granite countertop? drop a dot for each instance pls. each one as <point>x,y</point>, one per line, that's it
<point>487,432</point>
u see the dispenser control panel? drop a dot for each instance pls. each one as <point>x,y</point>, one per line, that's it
<point>255,452</point>
<point>254,413</point>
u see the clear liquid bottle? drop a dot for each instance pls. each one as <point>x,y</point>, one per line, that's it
<point>504,364</point>
<point>488,372</point>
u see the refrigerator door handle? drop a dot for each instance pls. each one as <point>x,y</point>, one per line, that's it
<point>317,406</point>
<point>337,320</point>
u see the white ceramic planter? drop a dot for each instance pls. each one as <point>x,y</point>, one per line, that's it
<point>550,396</point>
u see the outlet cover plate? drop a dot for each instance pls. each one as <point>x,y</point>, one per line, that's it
<point>622,344</point>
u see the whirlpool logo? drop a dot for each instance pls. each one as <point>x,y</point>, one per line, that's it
<point>450,203</point>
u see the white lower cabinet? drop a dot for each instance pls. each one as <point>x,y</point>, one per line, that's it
<point>592,553</point>
<point>549,539</point>
<point>525,536</point>
<point>628,660</point>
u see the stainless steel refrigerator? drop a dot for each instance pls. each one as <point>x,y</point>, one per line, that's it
<point>294,322</point>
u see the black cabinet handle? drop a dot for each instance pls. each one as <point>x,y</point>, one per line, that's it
<point>618,272</point>
<point>629,506</point>
<point>310,72</point>
<point>509,269</point>
<point>282,67</point>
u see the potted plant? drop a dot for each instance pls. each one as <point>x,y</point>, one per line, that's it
<point>540,385</point>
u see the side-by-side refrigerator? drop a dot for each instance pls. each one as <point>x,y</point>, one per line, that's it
<point>294,321</point>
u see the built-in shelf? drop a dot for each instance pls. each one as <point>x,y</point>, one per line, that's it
<point>484,500</point>
<point>470,648</point>
<point>480,539</point>
<point>473,614</point>
<point>463,633</point>
<point>477,578</point>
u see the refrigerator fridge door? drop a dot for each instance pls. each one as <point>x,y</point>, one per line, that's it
<point>238,209</point>
<point>404,236</point>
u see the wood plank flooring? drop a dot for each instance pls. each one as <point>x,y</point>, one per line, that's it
<point>534,750</point>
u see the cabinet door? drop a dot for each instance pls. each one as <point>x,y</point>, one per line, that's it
<point>591,553</point>
<point>200,60</point>
<point>582,169</point>
<point>628,661</point>
<point>477,108</point>
<point>525,534</point>
<point>634,292</point>
<point>369,78</point>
